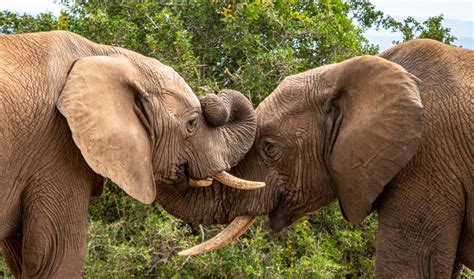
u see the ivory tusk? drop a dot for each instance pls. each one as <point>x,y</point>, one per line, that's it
<point>238,183</point>
<point>238,226</point>
<point>200,183</point>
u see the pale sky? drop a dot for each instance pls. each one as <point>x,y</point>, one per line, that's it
<point>459,15</point>
<point>30,6</point>
<point>455,9</point>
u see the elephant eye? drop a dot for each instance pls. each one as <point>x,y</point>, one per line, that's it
<point>270,149</point>
<point>191,125</point>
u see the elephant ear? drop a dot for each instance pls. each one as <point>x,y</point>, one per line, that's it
<point>379,115</point>
<point>98,102</point>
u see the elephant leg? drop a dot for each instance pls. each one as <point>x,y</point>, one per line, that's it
<point>11,247</point>
<point>55,231</point>
<point>426,253</point>
<point>457,270</point>
<point>466,244</point>
<point>419,230</point>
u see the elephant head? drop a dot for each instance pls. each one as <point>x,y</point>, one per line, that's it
<point>338,131</point>
<point>137,122</point>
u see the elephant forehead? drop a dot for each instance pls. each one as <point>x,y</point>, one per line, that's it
<point>285,102</point>
<point>292,127</point>
<point>179,104</point>
<point>166,82</point>
<point>292,105</point>
<point>296,95</point>
<point>176,91</point>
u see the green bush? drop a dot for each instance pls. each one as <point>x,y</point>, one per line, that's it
<point>128,239</point>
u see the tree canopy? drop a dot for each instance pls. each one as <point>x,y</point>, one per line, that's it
<point>247,45</point>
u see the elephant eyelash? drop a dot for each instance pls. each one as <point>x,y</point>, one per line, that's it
<point>191,125</point>
<point>271,150</point>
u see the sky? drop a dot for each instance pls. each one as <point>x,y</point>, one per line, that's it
<point>458,14</point>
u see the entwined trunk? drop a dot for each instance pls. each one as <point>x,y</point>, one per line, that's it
<point>219,204</point>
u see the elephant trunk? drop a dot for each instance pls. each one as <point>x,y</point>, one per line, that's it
<point>231,121</point>
<point>234,117</point>
<point>218,203</point>
<point>227,133</point>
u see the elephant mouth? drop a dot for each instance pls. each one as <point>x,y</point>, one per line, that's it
<point>278,221</point>
<point>278,218</point>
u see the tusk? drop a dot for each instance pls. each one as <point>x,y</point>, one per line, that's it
<point>229,234</point>
<point>200,183</point>
<point>238,183</point>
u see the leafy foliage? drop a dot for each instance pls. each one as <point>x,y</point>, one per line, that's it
<point>147,239</point>
<point>11,23</point>
<point>248,46</point>
<point>412,29</point>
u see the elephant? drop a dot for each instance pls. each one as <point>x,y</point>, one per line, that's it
<point>73,112</point>
<point>391,133</point>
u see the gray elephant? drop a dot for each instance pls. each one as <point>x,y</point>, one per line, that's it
<point>73,112</point>
<point>391,133</point>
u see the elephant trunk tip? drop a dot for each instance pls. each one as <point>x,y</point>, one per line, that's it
<point>215,109</point>
<point>228,106</point>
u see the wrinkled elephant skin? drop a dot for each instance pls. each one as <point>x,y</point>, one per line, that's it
<point>73,112</point>
<point>391,133</point>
